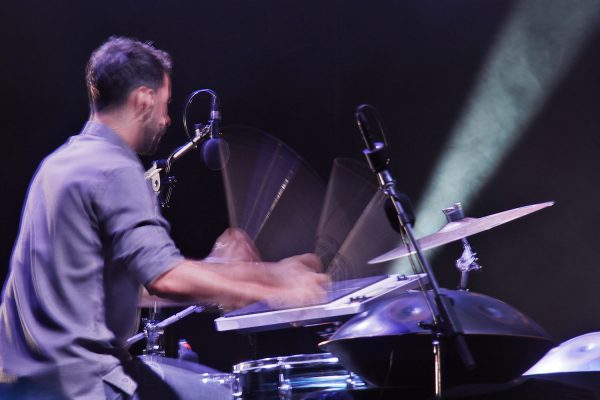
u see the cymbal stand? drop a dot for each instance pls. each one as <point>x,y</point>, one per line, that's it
<point>467,262</point>
<point>445,324</point>
<point>154,329</point>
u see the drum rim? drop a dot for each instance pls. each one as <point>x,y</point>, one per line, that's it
<point>286,362</point>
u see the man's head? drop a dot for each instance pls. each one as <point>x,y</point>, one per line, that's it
<point>126,74</point>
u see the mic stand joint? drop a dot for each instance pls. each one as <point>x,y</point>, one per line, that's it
<point>158,174</point>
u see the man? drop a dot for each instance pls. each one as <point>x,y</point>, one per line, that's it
<point>92,236</point>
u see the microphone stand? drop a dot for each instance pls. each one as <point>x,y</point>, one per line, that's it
<point>158,174</point>
<point>163,184</point>
<point>445,324</point>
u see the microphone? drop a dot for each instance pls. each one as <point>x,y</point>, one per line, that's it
<point>215,153</point>
<point>377,155</point>
<point>364,126</point>
<point>215,150</point>
<point>376,151</point>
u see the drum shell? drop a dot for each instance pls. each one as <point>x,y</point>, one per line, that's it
<point>187,379</point>
<point>291,377</point>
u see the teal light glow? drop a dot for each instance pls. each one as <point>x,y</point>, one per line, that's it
<point>538,44</point>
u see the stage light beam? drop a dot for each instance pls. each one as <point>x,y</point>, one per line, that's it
<point>533,51</point>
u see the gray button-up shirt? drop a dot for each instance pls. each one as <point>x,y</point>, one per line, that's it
<point>91,234</point>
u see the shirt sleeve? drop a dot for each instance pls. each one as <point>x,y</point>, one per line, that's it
<point>135,233</point>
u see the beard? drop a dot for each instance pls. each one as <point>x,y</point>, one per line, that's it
<point>151,139</point>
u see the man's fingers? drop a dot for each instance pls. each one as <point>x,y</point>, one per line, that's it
<point>235,245</point>
<point>309,260</point>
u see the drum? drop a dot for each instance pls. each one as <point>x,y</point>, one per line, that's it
<point>189,380</point>
<point>389,347</point>
<point>291,377</point>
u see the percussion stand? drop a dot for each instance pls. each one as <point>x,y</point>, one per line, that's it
<point>154,329</point>
<point>445,324</point>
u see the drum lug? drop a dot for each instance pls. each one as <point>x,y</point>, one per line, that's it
<point>238,390</point>
<point>285,388</point>
<point>352,382</point>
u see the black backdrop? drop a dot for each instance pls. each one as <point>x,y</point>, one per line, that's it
<point>297,69</point>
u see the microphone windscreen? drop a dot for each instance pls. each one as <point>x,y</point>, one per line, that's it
<point>215,153</point>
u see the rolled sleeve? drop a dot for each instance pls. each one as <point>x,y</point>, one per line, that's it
<point>131,221</point>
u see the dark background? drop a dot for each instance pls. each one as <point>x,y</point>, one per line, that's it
<point>297,69</point>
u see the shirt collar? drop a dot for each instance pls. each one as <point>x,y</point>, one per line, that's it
<point>98,129</point>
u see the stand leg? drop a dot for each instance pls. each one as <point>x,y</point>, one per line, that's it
<point>437,366</point>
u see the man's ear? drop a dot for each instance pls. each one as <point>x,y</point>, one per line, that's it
<point>142,100</point>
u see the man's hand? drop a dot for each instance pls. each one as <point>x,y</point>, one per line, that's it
<point>233,245</point>
<point>296,281</point>
<point>233,276</point>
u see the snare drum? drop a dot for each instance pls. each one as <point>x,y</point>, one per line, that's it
<point>287,378</point>
<point>187,380</point>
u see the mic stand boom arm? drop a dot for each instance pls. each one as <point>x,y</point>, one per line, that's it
<point>158,174</point>
<point>162,183</point>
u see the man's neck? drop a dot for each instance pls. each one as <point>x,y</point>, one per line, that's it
<point>119,123</point>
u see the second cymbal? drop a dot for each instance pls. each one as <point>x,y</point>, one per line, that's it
<point>460,229</point>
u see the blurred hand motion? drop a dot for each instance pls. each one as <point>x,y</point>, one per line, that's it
<point>297,281</point>
<point>234,244</point>
<point>293,281</point>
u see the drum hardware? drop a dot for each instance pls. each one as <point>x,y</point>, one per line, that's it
<point>467,262</point>
<point>292,377</point>
<point>444,320</point>
<point>356,299</point>
<point>153,330</point>
<point>153,333</point>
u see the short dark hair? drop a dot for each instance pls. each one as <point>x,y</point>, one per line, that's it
<point>120,65</point>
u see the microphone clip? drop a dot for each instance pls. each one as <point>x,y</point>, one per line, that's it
<point>159,174</point>
<point>371,129</point>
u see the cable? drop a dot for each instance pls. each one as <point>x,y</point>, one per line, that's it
<point>213,96</point>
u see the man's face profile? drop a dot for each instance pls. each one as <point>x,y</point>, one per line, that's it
<point>158,121</point>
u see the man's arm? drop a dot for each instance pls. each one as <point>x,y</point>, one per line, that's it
<point>292,281</point>
<point>233,276</point>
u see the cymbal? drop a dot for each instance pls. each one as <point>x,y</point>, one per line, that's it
<point>460,229</point>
